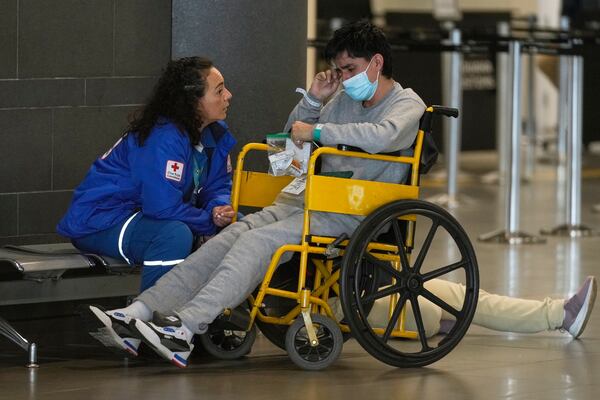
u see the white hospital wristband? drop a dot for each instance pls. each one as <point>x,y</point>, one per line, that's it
<point>308,99</point>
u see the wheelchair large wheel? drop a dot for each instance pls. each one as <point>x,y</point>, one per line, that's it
<point>318,357</point>
<point>443,250</point>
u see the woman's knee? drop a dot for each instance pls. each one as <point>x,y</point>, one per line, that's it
<point>178,236</point>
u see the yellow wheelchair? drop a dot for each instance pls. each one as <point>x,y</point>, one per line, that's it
<point>365,286</point>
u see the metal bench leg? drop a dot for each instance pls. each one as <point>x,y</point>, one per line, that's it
<point>11,334</point>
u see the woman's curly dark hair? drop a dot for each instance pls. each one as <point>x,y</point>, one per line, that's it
<point>175,97</point>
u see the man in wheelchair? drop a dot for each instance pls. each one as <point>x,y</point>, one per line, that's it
<point>372,112</point>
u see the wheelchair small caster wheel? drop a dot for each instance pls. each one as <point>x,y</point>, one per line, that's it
<point>310,357</point>
<point>228,344</point>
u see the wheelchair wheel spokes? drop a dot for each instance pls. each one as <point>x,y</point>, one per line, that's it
<point>384,265</point>
<point>395,315</point>
<point>316,357</point>
<point>371,297</point>
<point>400,306</point>
<point>426,245</point>
<point>439,272</point>
<point>317,353</point>
<point>440,303</point>
<point>414,302</point>
<point>400,241</point>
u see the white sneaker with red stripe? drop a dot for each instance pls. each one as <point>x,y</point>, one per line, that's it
<point>111,328</point>
<point>167,336</point>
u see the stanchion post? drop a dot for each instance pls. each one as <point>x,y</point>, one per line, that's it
<point>513,191</point>
<point>511,234</point>
<point>563,86</point>
<point>564,116</point>
<point>32,360</point>
<point>502,111</point>
<point>530,126</point>
<point>574,147</point>
<point>453,124</point>
<point>502,134</point>
<point>452,96</point>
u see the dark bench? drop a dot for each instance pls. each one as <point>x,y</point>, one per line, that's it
<point>57,272</point>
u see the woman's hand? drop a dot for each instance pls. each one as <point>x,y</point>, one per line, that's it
<point>222,215</point>
<point>325,84</point>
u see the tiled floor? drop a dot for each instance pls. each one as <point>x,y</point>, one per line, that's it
<point>485,365</point>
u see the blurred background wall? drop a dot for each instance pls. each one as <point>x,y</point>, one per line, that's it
<point>71,71</point>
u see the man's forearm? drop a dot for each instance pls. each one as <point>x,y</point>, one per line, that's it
<point>303,112</point>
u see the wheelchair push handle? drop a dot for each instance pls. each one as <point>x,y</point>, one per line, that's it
<point>425,123</point>
<point>446,111</point>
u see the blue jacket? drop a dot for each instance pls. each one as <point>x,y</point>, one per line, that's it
<point>156,179</point>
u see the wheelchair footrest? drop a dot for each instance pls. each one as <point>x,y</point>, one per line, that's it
<point>235,320</point>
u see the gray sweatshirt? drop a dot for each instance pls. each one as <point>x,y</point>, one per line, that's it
<point>389,125</point>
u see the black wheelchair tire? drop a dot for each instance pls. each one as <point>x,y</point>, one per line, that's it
<point>351,298</point>
<point>319,357</point>
<point>228,345</point>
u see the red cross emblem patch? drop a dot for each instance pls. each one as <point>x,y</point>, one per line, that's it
<point>174,170</point>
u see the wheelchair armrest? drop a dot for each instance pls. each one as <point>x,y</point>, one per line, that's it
<point>389,157</point>
<point>345,147</point>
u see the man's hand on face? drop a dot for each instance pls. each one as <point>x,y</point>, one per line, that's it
<point>222,215</point>
<point>301,132</point>
<point>325,84</point>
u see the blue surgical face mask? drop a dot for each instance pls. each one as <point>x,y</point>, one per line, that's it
<point>359,87</point>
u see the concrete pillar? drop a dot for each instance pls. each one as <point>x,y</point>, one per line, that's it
<point>258,45</point>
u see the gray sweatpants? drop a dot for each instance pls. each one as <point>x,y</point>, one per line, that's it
<point>228,267</point>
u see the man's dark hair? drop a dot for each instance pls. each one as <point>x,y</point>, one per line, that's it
<point>360,39</point>
<point>175,97</point>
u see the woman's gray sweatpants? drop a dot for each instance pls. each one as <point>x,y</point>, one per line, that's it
<point>228,267</point>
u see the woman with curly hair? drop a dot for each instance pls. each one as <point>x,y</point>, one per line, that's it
<point>166,180</point>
